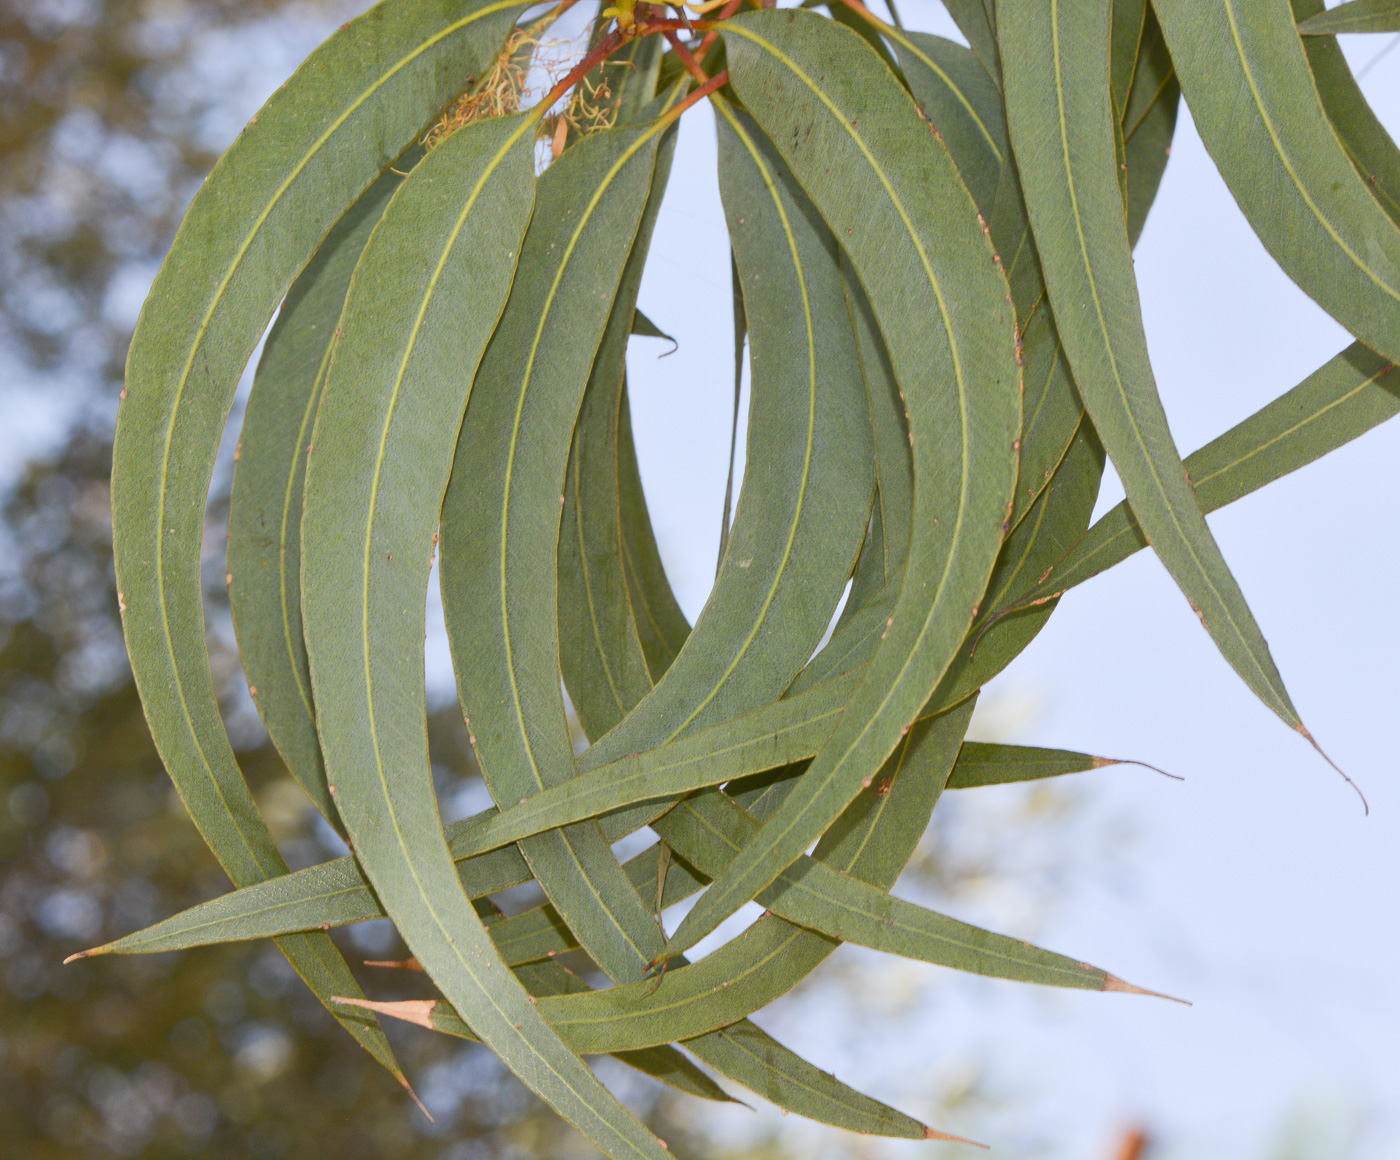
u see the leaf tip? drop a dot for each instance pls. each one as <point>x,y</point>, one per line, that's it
<point>935,1134</point>
<point>1114,983</point>
<point>419,1011</point>
<point>1103,762</point>
<point>413,1095</point>
<point>1311,740</point>
<point>87,954</point>
<point>409,964</point>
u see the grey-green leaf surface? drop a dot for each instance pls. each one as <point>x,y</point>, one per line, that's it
<point>983,763</point>
<point>1148,125</point>
<point>600,654</point>
<point>1246,80</point>
<point>808,480</point>
<point>1355,16</point>
<point>785,731</point>
<point>660,623</point>
<point>1057,519</point>
<point>317,144</point>
<point>421,308</point>
<point>828,104</point>
<point>1055,58</point>
<point>1372,150</point>
<point>1341,400</point>
<point>894,469</point>
<point>501,518</point>
<point>264,542</point>
<point>962,103</point>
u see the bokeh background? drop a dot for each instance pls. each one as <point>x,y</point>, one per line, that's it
<point>1255,888</point>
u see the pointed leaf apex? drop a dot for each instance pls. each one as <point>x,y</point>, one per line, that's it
<point>1114,983</point>
<point>413,1095</point>
<point>1102,762</point>
<point>934,1134</point>
<point>87,954</point>
<point>419,1011</point>
<point>1303,729</point>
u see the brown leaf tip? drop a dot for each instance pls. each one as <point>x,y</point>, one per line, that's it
<point>398,964</point>
<point>1311,740</point>
<point>413,1095</point>
<point>934,1134</point>
<point>87,954</point>
<point>1114,983</point>
<point>419,1011</point>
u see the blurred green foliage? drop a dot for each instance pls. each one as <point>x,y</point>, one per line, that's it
<point>110,113</point>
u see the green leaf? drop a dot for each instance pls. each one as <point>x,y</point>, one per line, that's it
<point>1355,16</point>
<point>963,105</point>
<point>665,1064</point>
<point>264,544</point>
<point>644,327</point>
<point>741,330</point>
<point>310,152</point>
<point>1341,400</point>
<point>659,621</point>
<point>1371,149</point>
<point>1149,123</point>
<point>830,106</point>
<point>1057,519</point>
<point>501,516</point>
<point>894,469</point>
<point>976,20</point>
<point>981,763</point>
<point>1061,119</point>
<point>785,566</point>
<point>422,305</point>
<point>785,731</point>
<point>600,655</point>
<point>1251,93</point>
<point>767,1067</point>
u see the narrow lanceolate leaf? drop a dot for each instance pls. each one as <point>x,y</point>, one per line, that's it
<point>786,731</point>
<point>751,1056</point>
<point>1338,402</point>
<point>573,865</point>
<point>1372,150</point>
<point>600,654</point>
<point>1058,518</point>
<point>982,763</point>
<point>660,623</point>
<point>311,151</point>
<point>894,469</point>
<point>1355,16</point>
<point>891,194</point>
<point>814,895</point>
<point>501,519</point>
<point>264,544</point>
<point>1148,125</point>
<point>1246,79</point>
<point>665,1064</point>
<point>424,301</point>
<point>807,480</point>
<point>962,102</point>
<point>1055,57</point>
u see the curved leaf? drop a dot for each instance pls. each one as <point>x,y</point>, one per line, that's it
<point>1355,16</point>
<point>1247,82</point>
<point>1341,400</point>
<point>264,541</point>
<point>314,147</point>
<point>421,308</point>
<point>1060,114</point>
<point>913,236</point>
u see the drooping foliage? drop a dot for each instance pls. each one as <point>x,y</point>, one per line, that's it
<point>932,255</point>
